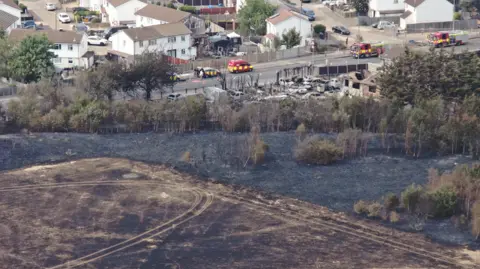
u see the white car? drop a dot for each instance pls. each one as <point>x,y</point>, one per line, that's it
<point>96,40</point>
<point>50,7</point>
<point>64,18</point>
<point>174,97</point>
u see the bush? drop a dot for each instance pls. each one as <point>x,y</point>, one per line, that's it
<point>186,157</point>
<point>374,210</point>
<point>315,150</point>
<point>444,202</point>
<point>411,197</point>
<point>361,207</point>
<point>391,202</point>
<point>300,131</point>
<point>187,8</point>
<point>457,16</point>
<point>171,5</point>
<point>319,28</point>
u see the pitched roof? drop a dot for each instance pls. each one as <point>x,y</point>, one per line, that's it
<point>117,3</point>
<point>162,13</point>
<point>157,31</point>
<point>54,36</point>
<point>414,3</point>
<point>9,3</point>
<point>406,14</point>
<point>283,15</point>
<point>6,19</point>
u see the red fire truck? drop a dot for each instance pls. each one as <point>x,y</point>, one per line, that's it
<point>366,50</point>
<point>447,38</point>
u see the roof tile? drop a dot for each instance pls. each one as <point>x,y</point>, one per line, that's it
<point>162,13</point>
<point>54,36</point>
<point>6,19</point>
<point>157,31</point>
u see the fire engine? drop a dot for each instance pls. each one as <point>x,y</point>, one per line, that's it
<point>447,38</point>
<point>366,50</point>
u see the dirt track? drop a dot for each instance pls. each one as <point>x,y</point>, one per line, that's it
<point>114,213</point>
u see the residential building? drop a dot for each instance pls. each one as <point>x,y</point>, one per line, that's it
<point>361,83</point>
<point>69,47</point>
<point>285,20</point>
<point>95,5</point>
<point>173,39</point>
<point>386,8</point>
<point>154,15</point>
<point>426,11</point>
<point>122,12</point>
<point>10,15</point>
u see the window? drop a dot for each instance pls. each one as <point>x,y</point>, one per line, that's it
<point>152,42</point>
<point>172,39</point>
<point>140,44</point>
<point>57,60</point>
<point>57,46</point>
<point>183,38</point>
<point>183,51</point>
<point>70,60</point>
<point>356,86</point>
<point>70,47</point>
<point>372,89</point>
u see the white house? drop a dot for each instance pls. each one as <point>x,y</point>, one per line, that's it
<point>285,20</point>
<point>426,11</point>
<point>94,5</point>
<point>10,15</point>
<point>69,47</point>
<point>154,15</point>
<point>173,39</point>
<point>122,12</point>
<point>386,8</point>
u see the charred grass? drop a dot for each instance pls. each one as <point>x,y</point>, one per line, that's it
<point>43,227</point>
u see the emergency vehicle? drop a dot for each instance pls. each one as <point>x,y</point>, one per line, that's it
<point>366,50</point>
<point>206,72</point>
<point>238,66</point>
<point>447,38</point>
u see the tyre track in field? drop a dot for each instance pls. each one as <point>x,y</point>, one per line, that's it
<point>359,231</point>
<point>202,202</point>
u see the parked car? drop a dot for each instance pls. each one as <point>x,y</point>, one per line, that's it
<point>174,97</point>
<point>50,7</point>
<point>112,30</point>
<point>64,18</point>
<point>385,24</point>
<point>29,25</point>
<point>77,9</point>
<point>309,13</point>
<point>96,40</point>
<point>80,27</point>
<point>341,30</point>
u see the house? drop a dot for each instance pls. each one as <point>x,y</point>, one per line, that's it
<point>285,20</point>
<point>173,39</point>
<point>426,11</point>
<point>95,5</point>
<point>154,15</point>
<point>69,47</point>
<point>362,83</point>
<point>122,12</point>
<point>10,15</point>
<point>386,8</point>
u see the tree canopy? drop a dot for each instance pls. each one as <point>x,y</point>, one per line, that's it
<point>361,6</point>
<point>291,38</point>
<point>31,59</point>
<point>252,16</point>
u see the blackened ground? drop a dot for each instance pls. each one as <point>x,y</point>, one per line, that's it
<point>216,155</point>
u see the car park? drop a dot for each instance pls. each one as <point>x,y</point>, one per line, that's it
<point>96,40</point>
<point>50,7</point>
<point>341,30</point>
<point>64,18</point>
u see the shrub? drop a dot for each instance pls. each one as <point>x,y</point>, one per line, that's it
<point>411,197</point>
<point>187,8</point>
<point>361,207</point>
<point>374,210</point>
<point>186,157</point>
<point>457,16</point>
<point>171,5</point>
<point>315,150</point>
<point>319,28</point>
<point>444,202</point>
<point>258,148</point>
<point>390,202</point>
<point>394,217</point>
<point>300,131</point>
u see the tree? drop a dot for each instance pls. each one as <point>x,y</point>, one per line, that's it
<point>186,8</point>
<point>361,6</point>
<point>411,197</point>
<point>319,28</point>
<point>291,38</point>
<point>104,81</point>
<point>32,59</point>
<point>252,16</point>
<point>5,56</point>
<point>150,72</point>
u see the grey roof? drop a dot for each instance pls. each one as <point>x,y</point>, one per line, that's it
<point>117,3</point>
<point>54,36</point>
<point>162,13</point>
<point>9,3</point>
<point>157,31</point>
<point>6,19</point>
<point>406,14</point>
<point>415,3</point>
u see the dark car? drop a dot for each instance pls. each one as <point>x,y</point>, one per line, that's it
<point>78,9</point>
<point>29,25</point>
<point>112,30</point>
<point>375,25</point>
<point>341,30</point>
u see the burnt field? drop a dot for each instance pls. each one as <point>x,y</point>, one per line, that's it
<point>115,213</point>
<point>337,187</point>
